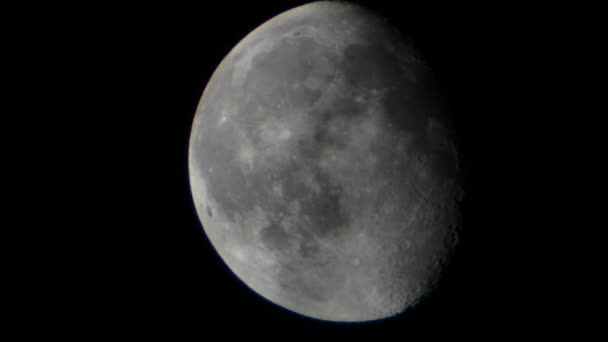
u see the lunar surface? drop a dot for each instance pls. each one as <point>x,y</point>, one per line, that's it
<point>323,165</point>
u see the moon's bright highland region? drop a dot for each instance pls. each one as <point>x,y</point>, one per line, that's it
<point>323,165</point>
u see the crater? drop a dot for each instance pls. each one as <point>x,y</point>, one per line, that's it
<point>274,237</point>
<point>308,247</point>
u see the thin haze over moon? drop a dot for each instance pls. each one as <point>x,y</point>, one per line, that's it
<point>323,165</point>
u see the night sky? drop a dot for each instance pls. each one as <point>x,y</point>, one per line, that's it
<point>110,93</point>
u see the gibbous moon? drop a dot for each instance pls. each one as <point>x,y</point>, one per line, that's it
<point>323,165</point>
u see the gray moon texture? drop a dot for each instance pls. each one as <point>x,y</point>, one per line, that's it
<point>324,168</point>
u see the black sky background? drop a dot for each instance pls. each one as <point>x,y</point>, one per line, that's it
<point>110,93</point>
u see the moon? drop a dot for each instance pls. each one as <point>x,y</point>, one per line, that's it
<point>323,165</point>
